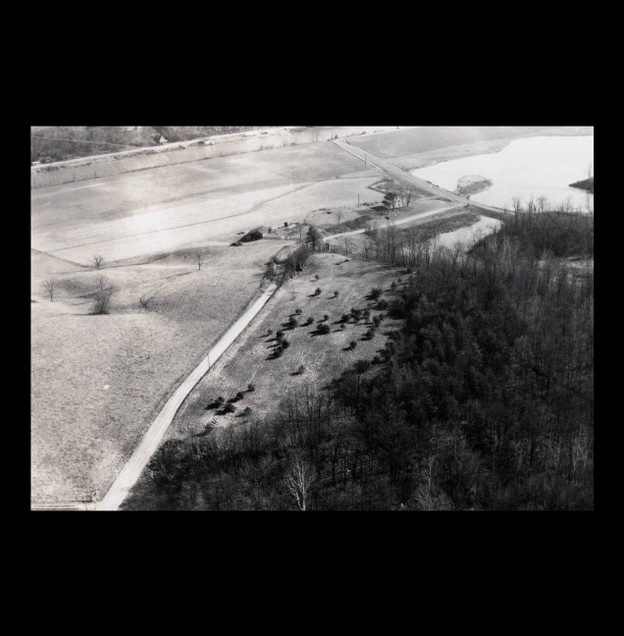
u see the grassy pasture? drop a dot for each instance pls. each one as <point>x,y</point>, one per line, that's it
<point>323,356</point>
<point>97,382</point>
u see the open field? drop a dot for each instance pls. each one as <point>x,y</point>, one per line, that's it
<point>105,165</point>
<point>201,202</point>
<point>98,381</point>
<point>323,356</point>
<point>424,146</point>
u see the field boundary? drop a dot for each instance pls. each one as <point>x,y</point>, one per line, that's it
<point>133,468</point>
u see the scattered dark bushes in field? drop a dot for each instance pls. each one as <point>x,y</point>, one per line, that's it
<point>216,404</point>
<point>227,408</point>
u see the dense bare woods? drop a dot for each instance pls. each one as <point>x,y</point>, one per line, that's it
<point>483,399</point>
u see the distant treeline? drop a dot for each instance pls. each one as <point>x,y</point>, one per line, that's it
<point>483,399</point>
<point>586,184</point>
<point>58,143</point>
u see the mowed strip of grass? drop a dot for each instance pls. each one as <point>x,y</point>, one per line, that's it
<point>322,357</point>
<point>97,382</point>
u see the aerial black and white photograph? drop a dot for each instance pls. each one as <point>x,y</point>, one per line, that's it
<point>311,318</point>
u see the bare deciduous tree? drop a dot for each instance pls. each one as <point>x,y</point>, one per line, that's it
<point>97,261</point>
<point>299,478</point>
<point>48,285</point>
<point>102,282</point>
<point>102,301</point>
<point>198,257</point>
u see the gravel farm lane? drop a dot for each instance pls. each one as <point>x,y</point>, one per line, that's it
<point>131,472</point>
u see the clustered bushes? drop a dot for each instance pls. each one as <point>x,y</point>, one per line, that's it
<point>295,261</point>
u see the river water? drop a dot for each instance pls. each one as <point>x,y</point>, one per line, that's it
<point>534,166</point>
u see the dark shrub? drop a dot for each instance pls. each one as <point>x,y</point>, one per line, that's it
<point>317,291</point>
<point>298,312</point>
<point>361,366</point>
<point>375,293</point>
<point>293,322</point>
<point>251,387</point>
<point>309,321</point>
<point>324,328</point>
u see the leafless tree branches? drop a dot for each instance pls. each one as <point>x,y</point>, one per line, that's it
<point>299,478</point>
<point>48,285</point>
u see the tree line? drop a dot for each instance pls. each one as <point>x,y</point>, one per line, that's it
<point>482,398</point>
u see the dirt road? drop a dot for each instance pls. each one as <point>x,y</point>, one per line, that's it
<point>131,472</point>
<point>407,219</point>
<point>407,178</point>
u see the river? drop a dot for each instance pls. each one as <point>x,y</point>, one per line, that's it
<point>532,166</point>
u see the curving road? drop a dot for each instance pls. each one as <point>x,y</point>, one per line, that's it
<point>407,219</point>
<point>131,472</point>
<point>408,179</point>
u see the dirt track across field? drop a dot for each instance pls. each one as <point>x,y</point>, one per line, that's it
<point>141,456</point>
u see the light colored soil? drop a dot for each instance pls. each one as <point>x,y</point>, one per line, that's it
<point>201,202</point>
<point>323,356</point>
<point>98,381</point>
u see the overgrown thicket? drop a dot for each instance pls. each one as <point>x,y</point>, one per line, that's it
<point>483,399</point>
